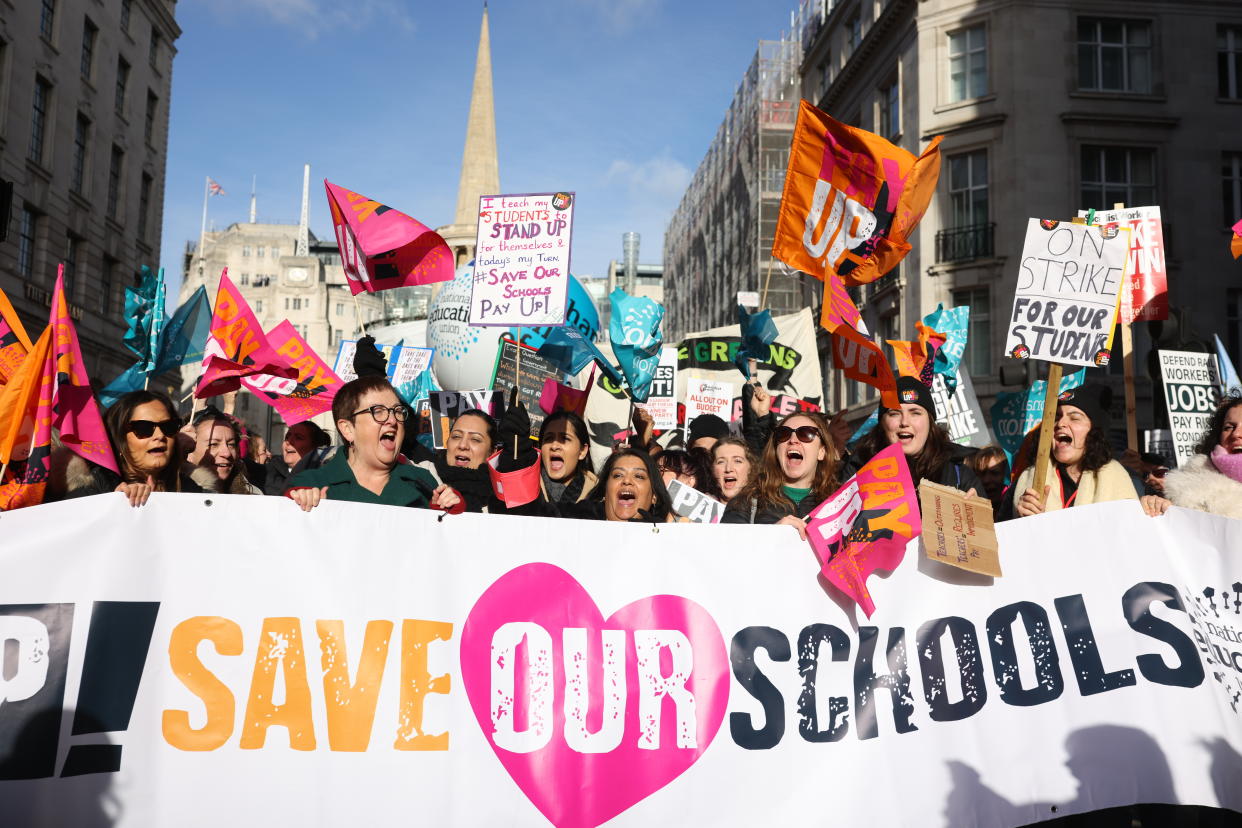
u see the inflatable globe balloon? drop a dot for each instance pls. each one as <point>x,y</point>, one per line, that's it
<point>465,354</point>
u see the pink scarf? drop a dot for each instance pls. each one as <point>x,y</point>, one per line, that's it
<point>1228,464</point>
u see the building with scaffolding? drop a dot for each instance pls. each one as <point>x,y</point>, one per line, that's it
<point>719,239</point>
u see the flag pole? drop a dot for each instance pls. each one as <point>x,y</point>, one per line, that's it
<point>517,382</point>
<point>202,231</point>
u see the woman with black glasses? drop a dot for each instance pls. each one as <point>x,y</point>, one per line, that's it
<point>798,471</point>
<point>370,468</point>
<point>142,428</point>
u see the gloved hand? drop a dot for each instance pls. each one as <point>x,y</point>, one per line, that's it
<point>368,361</point>
<point>514,422</point>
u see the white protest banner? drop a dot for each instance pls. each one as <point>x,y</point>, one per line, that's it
<point>705,396</point>
<point>960,413</point>
<point>356,666</point>
<point>662,402</point>
<point>1191,389</point>
<point>1065,305</point>
<point>1146,296</point>
<point>692,506</point>
<point>405,363</point>
<point>521,260</point>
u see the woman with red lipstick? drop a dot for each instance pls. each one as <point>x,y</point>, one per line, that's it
<point>1082,470</point>
<point>1211,481</point>
<point>798,471</point>
<point>629,489</point>
<point>370,418</point>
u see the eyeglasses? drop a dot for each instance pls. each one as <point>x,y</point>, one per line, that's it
<point>142,429</point>
<point>379,413</point>
<point>806,434</point>
<point>1158,473</point>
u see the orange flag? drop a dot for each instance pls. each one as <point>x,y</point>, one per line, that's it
<point>862,360</point>
<point>25,465</point>
<point>851,199</point>
<point>14,343</point>
<point>915,359</point>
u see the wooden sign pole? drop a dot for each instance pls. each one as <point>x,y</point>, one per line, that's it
<point>1127,366</point>
<point>1042,458</point>
<point>517,383</point>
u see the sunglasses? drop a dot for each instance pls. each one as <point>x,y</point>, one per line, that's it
<point>806,434</point>
<point>142,429</point>
<point>1158,473</point>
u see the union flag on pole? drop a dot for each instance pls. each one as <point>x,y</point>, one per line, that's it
<point>214,188</point>
<point>383,249</point>
<point>237,347</point>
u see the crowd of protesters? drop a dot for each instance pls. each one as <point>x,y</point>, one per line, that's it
<point>776,471</point>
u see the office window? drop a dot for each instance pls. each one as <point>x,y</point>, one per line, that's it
<point>258,306</point>
<point>287,303</point>
<point>81,145</point>
<point>259,251</point>
<point>71,264</point>
<point>125,7</point>
<point>340,308</point>
<point>1114,55</point>
<point>1112,175</point>
<point>122,82</point>
<point>107,285</point>
<point>275,252</point>
<point>148,128</point>
<point>47,18</point>
<point>153,52</point>
<point>1231,186</point>
<point>978,356</point>
<point>245,250</point>
<point>245,279</point>
<point>38,118</point>
<point>890,110</point>
<point>853,35</point>
<point>144,206</point>
<point>336,335</point>
<point>968,188</point>
<point>89,33</point>
<point>114,182</point>
<point>825,74</point>
<point>968,63</point>
<point>1229,62</point>
<point>27,232</point>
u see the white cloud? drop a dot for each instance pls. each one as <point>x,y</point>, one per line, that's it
<point>657,180</point>
<point>316,17</point>
<point>620,15</point>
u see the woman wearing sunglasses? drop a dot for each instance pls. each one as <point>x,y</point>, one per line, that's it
<point>142,428</point>
<point>797,472</point>
<point>1211,480</point>
<point>370,418</point>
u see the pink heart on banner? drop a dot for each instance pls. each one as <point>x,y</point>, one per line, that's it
<point>622,751</point>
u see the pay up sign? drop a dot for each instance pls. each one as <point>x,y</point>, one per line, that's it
<point>1191,384</point>
<point>521,261</point>
<point>1068,284</point>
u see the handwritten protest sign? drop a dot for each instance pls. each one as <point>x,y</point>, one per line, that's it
<point>692,506</point>
<point>960,413</point>
<point>1066,300</point>
<point>535,371</point>
<point>708,397</point>
<point>405,362</point>
<point>521,260</point>
<point>958,530</point>
<point>662,400</point>
<point>866,525</point>
<point>1191,388</point>
<point>446,406</point>
<point>1146,295</point>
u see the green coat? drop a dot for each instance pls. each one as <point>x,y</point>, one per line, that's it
<point>407,485</point>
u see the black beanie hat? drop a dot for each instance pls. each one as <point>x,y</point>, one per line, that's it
<point>911,391</point>
<point>1093,398</point>
<point>707,425</point>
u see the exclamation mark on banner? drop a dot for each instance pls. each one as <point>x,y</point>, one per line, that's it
<point>116,652</point>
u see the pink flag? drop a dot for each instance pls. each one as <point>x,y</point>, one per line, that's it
<point>558,397</point>
<point>514,488</point>
<point>312,391</point>
<point>383,249</point>
<point>866,525</point>
<point>66,401</point>
<point>237,347</point>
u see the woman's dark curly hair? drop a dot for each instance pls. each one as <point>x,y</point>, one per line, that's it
<point>661,503</point>
<point>1211,438</point>
<point>695,462</point>
<point>1096,451</point>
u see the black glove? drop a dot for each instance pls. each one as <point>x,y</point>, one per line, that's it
<point>368,361</point>
<point>514,422</point>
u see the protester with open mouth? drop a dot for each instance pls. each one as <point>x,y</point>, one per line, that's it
<point>629,489</point>
<point>1211,481</point>
<point>1082,471</point>
<point>929,451</point>
<point>732,462</point>
<point>217,448</point>
<point>566,474</point>
<point>142,428</point>
<point>370,468</point>
<point>798,472</point>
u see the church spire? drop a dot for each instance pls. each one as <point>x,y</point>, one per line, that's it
<point>480,171</point>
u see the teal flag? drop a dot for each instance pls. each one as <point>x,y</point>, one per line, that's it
<point>177,341</point>
<point>636,340</point>
<point>954,323</point>
<point>758,333</point>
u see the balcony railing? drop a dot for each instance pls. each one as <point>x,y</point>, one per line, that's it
<point>962,244</point>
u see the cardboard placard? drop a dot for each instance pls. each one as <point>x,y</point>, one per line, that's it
<point>661,404</point>
<point>960,413</point>
<point>446,406</point>
<point>535,370</point>
<point>1146,295</point>
<point>1191,389</point>
<point>405,363</point>
<point>692,506</point>
<point>1065,305</point>
<point>521,260</point>
<point>958,530</point>
<point>708,397</point>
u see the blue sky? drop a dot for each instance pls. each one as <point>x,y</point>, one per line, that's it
<point>617,101</point>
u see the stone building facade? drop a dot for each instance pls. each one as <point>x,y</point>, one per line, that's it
<point>85,87</point>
